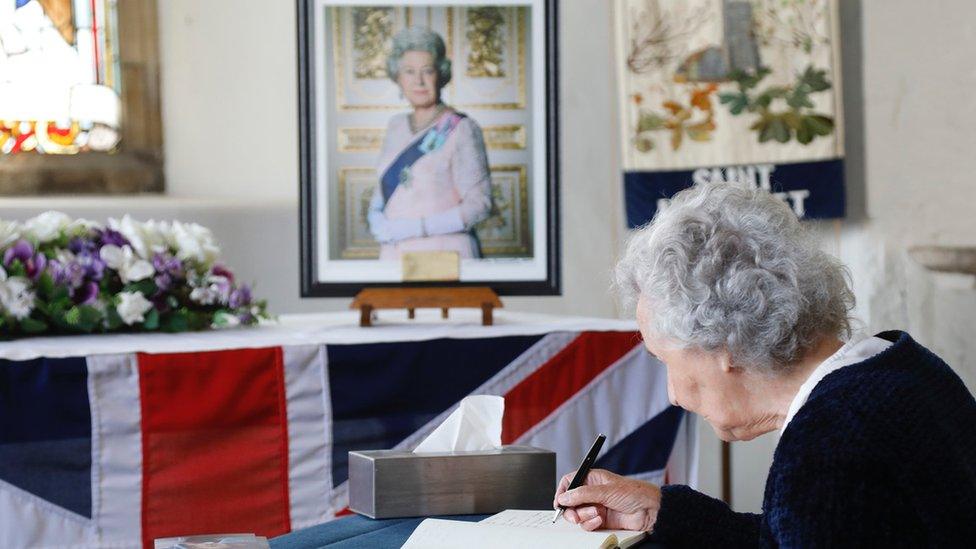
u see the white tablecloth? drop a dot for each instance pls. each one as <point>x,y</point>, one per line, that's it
<point>317,329</point>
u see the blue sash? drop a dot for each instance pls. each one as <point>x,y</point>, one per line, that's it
<point>399,171</point>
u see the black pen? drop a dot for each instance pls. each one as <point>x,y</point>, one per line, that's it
<point>584,469</point>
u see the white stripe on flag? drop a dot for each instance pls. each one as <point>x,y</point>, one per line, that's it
<point>27,521</point>
<point>622,398</point>
<point>309,435</point>
<point>654,477</point>
<point>522,367</point>
<point>113,391</point>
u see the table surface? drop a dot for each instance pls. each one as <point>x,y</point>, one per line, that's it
<point>358,531</point>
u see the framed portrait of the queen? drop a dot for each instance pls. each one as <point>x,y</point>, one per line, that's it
<point>428,130</point>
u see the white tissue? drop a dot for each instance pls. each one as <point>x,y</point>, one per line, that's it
<point>475,425</point>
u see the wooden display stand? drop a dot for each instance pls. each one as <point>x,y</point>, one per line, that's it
<point>478,297</point>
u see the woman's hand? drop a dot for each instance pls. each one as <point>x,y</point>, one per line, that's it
<point>609,501</point>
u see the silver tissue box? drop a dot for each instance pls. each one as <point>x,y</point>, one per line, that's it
<point>394,483</point>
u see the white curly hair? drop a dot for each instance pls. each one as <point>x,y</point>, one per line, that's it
<point>729,267</point>
<point>419,39</point>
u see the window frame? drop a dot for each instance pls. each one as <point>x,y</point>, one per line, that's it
<point>137,166</point>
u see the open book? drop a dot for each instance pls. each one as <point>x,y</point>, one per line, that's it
<point>515,528</point>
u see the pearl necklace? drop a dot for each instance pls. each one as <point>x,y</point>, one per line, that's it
<point>441,107</point>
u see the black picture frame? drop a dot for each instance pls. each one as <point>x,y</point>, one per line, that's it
<point>311,285</point>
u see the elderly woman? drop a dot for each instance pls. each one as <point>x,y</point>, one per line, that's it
<point>877,440</point>
<point>434,183</point>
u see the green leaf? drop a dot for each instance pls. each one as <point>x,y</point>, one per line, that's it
<point>815,80</point>
<point>799,99</point>
<point>45,285</point>
<point>176,322</point>
<point>792,119</point>
<point>147,287</point>
<point>61,294</point>
<point>820,124</point>
<point>16,268</point>
<point>33,326</point>
<point>748,81</point>
<point>764,99</point>
<point>151,321</point>
<point>804,134</point>
<point>649,121</point>
<point>776,129</point>
<point>223,318</point>
<point>737,102</point>
<point>83,317</point>
<point>112,319</point>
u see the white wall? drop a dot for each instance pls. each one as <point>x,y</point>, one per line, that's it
<point>230,104</point>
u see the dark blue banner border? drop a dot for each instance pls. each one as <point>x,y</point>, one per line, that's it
<point>815,190</point>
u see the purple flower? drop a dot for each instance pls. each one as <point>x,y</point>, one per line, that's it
<point>167,264</point>
<point>222,287</point>
<point>241,297</point>
<point>23,251</point>
<point>80,245</point>
<point>85,294</point>
<point>92,263</point>
<point>163,282</point>
<point>57,272</point>
<point>111,236</point>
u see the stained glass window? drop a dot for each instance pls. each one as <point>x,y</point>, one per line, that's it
<point>60,82</point>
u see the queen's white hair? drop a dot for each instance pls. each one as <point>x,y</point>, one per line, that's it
<point>727,267</point>
<point>419,39</point>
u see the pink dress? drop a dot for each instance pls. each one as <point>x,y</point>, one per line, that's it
<point>449,187</point>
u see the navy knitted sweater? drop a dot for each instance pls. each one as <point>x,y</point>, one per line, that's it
<point>883,454</point>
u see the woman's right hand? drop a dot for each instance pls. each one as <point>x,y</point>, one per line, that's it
<point>609,501</point>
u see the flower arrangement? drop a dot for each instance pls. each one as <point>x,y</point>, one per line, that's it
<point>63,275</point>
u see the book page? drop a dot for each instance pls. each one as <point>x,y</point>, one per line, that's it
<point>451,534</point>
<point>543,520</point>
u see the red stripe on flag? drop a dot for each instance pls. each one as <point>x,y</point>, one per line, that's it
<point>560,378</point>
<point>214,443</point>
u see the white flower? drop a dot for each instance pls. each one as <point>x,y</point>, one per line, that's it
<point>9,232</point>
<point>158,234</point>
<point>204,295</point>
<point>192,241</point>
<point>145,238</point>
<point>16,296</point>
<point>133,307</point>
<point>129,267</point>
<point>211,289</point>
<point>47,226</point>
<point>83,225</point>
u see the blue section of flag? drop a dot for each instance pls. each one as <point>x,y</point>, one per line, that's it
<point>647,448</point>
<point>21,3</point>
<point>45,430</point>
<point>383,392</point>
<point>824,180</point>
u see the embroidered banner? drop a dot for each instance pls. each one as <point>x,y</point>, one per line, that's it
<point>733,91</point>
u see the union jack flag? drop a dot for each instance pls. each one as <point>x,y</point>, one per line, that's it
<point>115,450</point>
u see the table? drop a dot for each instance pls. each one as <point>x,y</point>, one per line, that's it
<point>115,440</point>
<point>357,532</point>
